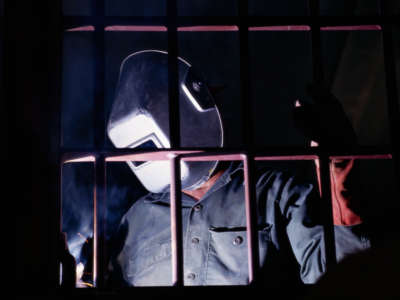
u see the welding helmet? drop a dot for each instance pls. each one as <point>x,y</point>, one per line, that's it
<point>139,118</point>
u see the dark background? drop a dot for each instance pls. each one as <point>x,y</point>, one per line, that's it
<point>39,68</point>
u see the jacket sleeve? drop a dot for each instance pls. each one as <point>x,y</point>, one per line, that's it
<point>115,274</point>
<point>300,206</point>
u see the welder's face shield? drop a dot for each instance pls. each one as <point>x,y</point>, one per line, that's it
<point>140,118</point>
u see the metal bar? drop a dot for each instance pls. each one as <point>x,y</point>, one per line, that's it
<point>57,48</point>
<point>74,21</point>
<point>136,28</point>
<point>99,223</point>
<point>173,88</point>
<point>318,74</point>
<point>352,28</point>
<point>376,156</point>
<point>99,207</point>
<point>281,28</point>
<point>95,240</point>
<point>251,220</point>
<point>132,154</point>
<point>324,162</point>
<point>250,204</point>
<point>176,222</point>
<point>272,151</point>
<point>245,99</point>
<point>59,214</point>
<point>392,96</point>
<point>327,210</point>
<point>210,28</point>
<point>99,114</point>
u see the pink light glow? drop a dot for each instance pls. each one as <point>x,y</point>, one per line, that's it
<point>148,156</point>
<point>208,28</point>
<point>78,158</point>
<point>363,156</point>
<point>281,28</point>
<point>136,28</point>
<point>352,27</point>
<point>197,155</point>
<point>212,157</point>
<point>287,157</point>
<point>82,28</point>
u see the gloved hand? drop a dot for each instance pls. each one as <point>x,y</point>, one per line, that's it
<point>325,123</point>
<point>323,119</point>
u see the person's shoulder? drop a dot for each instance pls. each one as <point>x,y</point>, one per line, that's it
<point>266,174</point>
<point>281,179</point>
<point>141,205</point>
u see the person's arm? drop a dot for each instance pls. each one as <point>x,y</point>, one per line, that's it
<point>325,123</point>
<point>115,274</point>
<point>300,206</point>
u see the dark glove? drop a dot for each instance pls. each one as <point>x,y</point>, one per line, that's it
<point>323,119</point>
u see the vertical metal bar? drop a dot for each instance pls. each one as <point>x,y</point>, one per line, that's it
<point>99,208</point>
<point>318,74</point>
<point>99,114</point>
<point>247,128</point>
<point>174,133</point>
<point>59,212</point>
<point>176,222</point>
<point>246,107</point>
<point>324,163</point>
<point>95,232</point>
<point>99,222</point>
<point>251,220</point>
<point>173,88</point>
<point>58,48</point>
<point>327,210</point>
<point>392,96</point>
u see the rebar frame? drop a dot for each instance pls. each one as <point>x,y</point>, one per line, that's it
<point>248,153</point>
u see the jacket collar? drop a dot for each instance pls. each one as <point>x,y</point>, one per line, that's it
<point>187,201</point>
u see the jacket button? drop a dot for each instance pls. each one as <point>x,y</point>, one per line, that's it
<point>191,276</point>
<point>238,240</point>
<point>198,207</point>
<point>195,240</point>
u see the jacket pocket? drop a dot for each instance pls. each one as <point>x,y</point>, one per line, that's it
<point>151,265</point>
<point>227,259</point>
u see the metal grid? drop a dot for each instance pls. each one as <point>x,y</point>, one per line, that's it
<point>249,154</point>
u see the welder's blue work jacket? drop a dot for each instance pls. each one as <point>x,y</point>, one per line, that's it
<point>291,237</point>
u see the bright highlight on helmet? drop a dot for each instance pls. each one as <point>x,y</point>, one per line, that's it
<point>192,99</point>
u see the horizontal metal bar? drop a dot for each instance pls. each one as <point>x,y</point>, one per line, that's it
<point>208,28</point>
<point>221,28</point>
<point>291,157</point>
<point>281,28</point>
<point>73,21</point>
<point>223,154</point>
<point>207,156</point>
<point>273,150</point>
<point>73,158</point>
<point>81,28</point>
<point>367,156</point>
<point>352,28</point>
<point>136,28</point>
<point>251,21</point>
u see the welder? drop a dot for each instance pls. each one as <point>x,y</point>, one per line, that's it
<point>289,222</point>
